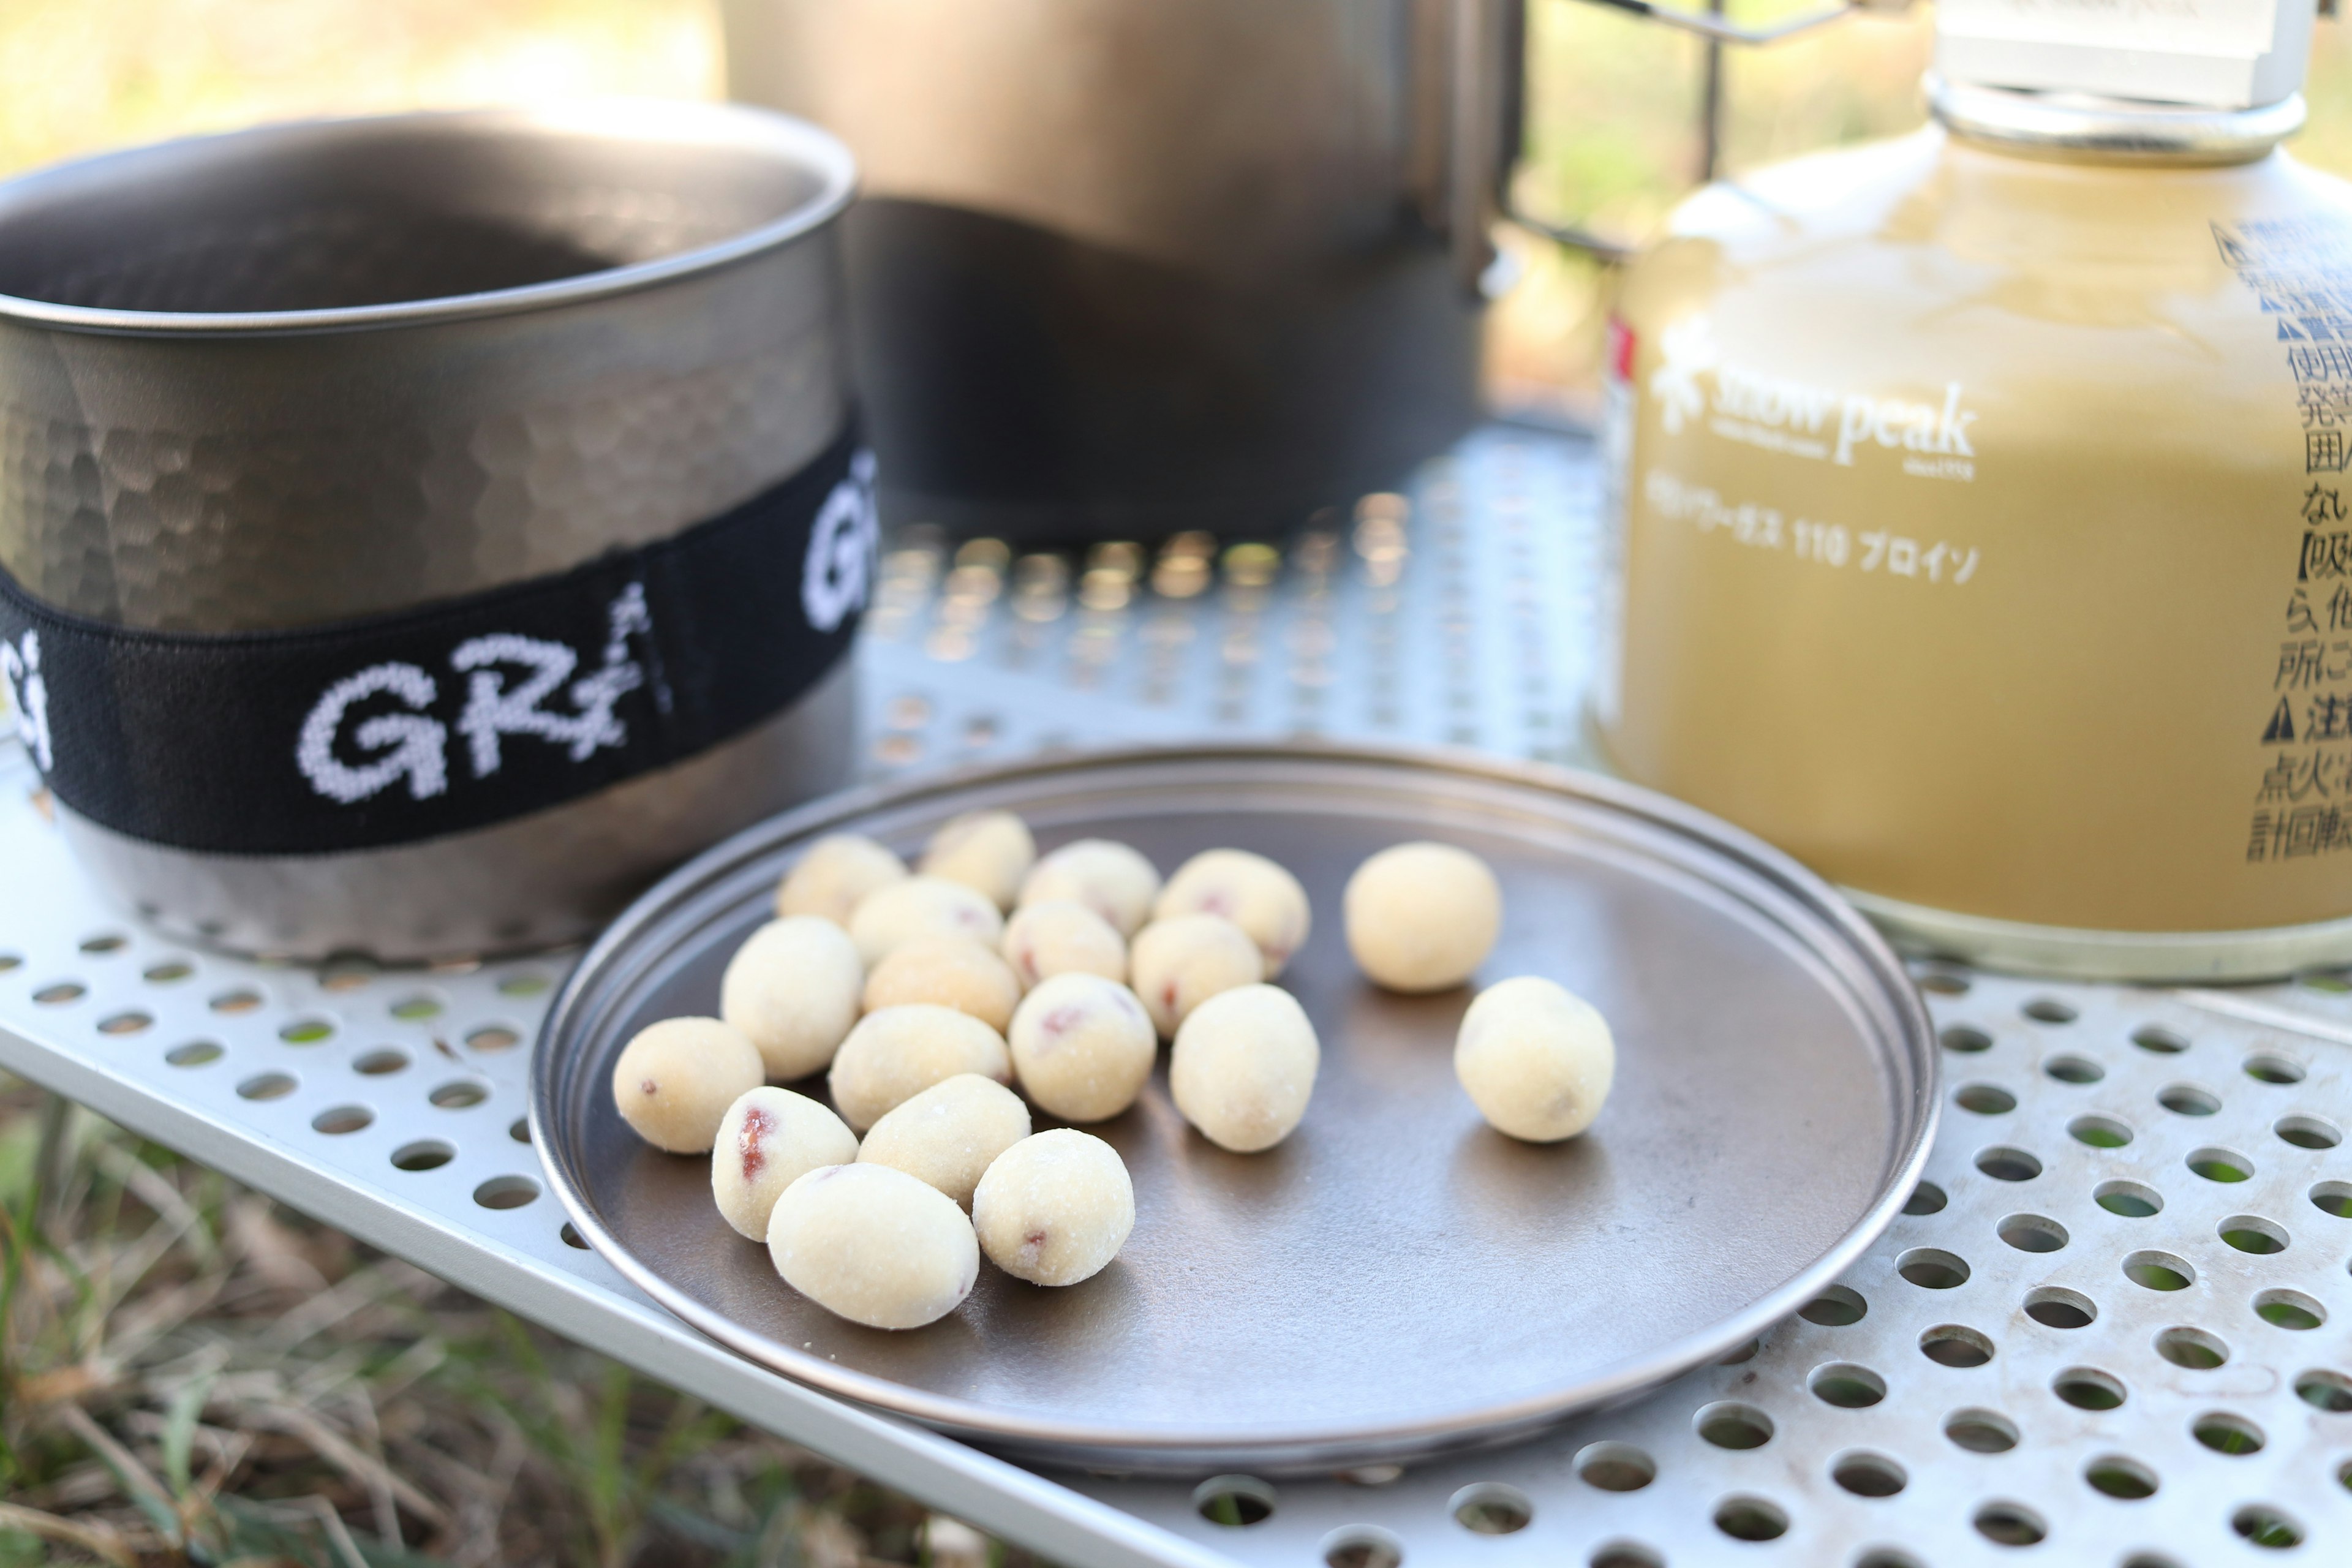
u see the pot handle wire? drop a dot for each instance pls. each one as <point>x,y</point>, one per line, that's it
<point>1486,44</point>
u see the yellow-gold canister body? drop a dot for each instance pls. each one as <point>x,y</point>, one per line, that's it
<point>1985,523</point>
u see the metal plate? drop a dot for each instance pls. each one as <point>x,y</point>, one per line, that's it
<point>1397,1278</point>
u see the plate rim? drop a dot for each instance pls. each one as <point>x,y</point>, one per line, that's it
<point>1139,1446</point>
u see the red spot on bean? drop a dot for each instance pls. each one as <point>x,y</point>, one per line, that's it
<point>1168,996</point>
<point>1062,1019</point>
<point>757,1125</point>
<point>649,1086</point>
<point>1217,902</point>
<point>1033,1240</point>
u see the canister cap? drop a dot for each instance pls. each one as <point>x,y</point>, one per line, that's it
<point>2212,54</point>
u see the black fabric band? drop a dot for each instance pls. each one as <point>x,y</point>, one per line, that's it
<point>458,714</point>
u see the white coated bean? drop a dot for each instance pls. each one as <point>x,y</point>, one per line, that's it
<point>1536,1060</point>
<point>1248,889</point>
<point>771,1138</point>
<point>1062,936</point>
<point>949,1133</point>
<point>1244,1066</point>
<point>895,1054</point>
<point>899,912</point>
<point>792,988</point>
<point>832,877</point>
<point>674,1079</point>
<point>989,851</point>
<point>874,1245</point>
<point>1056,1208</point>
<point>1081,1046</point>
<point>1112,880</point>
<point>951,971</point>
<point>1421,917</point>
<point>1180,962</point>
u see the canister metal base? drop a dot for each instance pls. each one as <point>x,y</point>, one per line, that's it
<point>2017,947</point>
<point>534,883</point>
<point>2166,957</point>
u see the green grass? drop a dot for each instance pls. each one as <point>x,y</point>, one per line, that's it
<point>190,1374</point>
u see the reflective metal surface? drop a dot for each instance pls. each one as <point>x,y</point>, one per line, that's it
<point>1123,267</point>
<point>1396,1279</point>
<point>1479,584</point>
<point>319,371</point>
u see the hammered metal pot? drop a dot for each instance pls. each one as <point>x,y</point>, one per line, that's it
<point>316,372</point>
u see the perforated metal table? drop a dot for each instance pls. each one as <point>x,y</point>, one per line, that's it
<point>2085,1333</point>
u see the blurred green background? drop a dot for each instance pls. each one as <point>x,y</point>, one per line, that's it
<point>1612,137</point>
<point>190,1374</point>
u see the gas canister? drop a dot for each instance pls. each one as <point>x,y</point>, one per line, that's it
<point>1983,501</point>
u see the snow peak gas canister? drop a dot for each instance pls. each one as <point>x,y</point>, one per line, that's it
<point>1984,503</point>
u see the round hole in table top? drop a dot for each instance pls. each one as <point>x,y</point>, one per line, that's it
<point>2188,1100</point>
<point>2290,1310</point>
<point>2032,1232</point>
<point>2191,1347</point>
<point>2120,1476</point>
<point>1835,1307</point>
<point>2308,1132</point>
<point>2325,1390</point>
<point>1955,1345</point>
<point>2267,1525</point>
<point>506,1193</point>
<point>2154,1271</point>
<point>1362,1546</point>
<point>1233,1501</point>
<point>2088,1388</point>
<point>2226,1432</point>
<point>1615,1467</point>
<point>2011,1524</point>
<point>1981,1431</point>
<point>1729,1424</point>
<point>266,1086</point>
<point>1491,1508</point>
<point>2132,1200</point>
<point>1867,1474</point>
<point>1743,1518</point>
<point>2055,1307</point>
<point>1625,1554</point>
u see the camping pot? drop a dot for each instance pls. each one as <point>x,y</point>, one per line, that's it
<point>1124,267</point>
<point>417,532</point>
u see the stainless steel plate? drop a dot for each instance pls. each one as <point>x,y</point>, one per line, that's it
<point>1395,1279</point>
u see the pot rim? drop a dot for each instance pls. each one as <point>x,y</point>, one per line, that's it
<point>717,125</point>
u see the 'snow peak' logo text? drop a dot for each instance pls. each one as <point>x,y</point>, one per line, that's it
<point>1822,423</point>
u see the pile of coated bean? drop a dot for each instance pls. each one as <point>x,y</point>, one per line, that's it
<point>923,1002</point>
